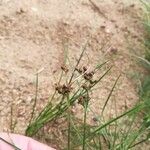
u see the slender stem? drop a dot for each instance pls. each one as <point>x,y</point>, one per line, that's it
<point>136,108</point>
<point>110,94</point>
<point>69,123</point>
<point>142,141</point>
<point>86,101</point>
<point>47,108</point>
<point>81,55</point>
<point>69,132</point>
<point>141,130</point>
<point>12,145</point>
<point>84,132</point>
<point>35,100</point>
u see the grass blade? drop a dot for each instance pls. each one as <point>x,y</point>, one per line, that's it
<point>110,94</point>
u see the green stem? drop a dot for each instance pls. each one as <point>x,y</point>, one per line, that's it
<point>69,123</point>
<point>136,108</point>
<point>35,100</point>
<point>85,117</point>
<point>84,132</point>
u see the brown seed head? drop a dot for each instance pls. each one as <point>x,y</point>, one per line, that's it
<point>63,89</point>
<point>84,69</point>
<point>64,68</point>
<point>79,70</point>
<point>88,76</point>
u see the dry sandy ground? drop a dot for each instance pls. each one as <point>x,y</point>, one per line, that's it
<point>32,36</point>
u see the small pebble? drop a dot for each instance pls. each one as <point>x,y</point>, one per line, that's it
<point>113,50</point>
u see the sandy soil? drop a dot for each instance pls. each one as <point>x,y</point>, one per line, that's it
<point>32,37</point>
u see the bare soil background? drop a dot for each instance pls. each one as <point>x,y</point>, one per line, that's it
<point>33,34</point>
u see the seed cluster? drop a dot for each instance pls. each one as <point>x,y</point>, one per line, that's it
<point>64,68</point>
<point>63,89</point>
<point>87,75</point>
<point>83,100</point>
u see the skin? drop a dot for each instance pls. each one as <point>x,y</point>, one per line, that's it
<point>21,142</point>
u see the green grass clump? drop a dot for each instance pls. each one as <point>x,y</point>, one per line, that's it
<point>122,132</point>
